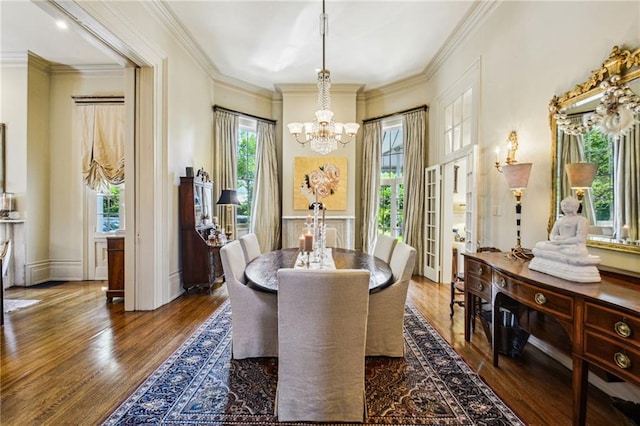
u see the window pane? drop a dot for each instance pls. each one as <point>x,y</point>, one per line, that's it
<point>246,175</point>
<point>109,209</point>
<point>466,105</point>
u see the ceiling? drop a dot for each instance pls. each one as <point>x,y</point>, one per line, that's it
<point>266,43</point>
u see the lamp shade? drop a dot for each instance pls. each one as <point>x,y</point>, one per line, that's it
<point>228,197</point>
<point>581,174</point>
<point>517,175</point>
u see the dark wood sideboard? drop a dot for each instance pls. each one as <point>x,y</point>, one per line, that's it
<point>115,267</point>
<point>600,322</point>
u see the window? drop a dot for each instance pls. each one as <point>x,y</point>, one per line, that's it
<point>390,214</point>
<point>457,122</point>
<point>246,171</point>
<point>598,149</point>
<point>110,209</point>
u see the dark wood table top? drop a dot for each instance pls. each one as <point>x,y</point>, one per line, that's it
<point>261,272</point>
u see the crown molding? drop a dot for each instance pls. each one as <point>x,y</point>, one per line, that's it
<point>305,88</point>
<point>94,69</point>
<point>185,39</point>
<point>472,20</point>
<point>397,86</point>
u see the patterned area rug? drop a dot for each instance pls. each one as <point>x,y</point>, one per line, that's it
<point>11,305</point>
<point>201,385</point>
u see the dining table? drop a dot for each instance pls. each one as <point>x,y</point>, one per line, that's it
<point>261,272</point>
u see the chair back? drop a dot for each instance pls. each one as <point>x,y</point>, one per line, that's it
<point>330,237</point>
<point>6,257</point>
<point>233,262</point>
<point>254,314</point>
<point>455,275</point>
<point>384,247</point>
<point>250,246</point>
<point>403,260</point>
<point>322,323</point>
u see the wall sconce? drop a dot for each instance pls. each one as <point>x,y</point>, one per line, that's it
<point>229,198</point>
<point>512,147</point>
<point>581,177</point>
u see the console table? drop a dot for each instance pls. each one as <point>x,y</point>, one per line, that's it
<point>602,320</point>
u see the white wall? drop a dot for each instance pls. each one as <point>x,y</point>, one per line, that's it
<point>528,52</point>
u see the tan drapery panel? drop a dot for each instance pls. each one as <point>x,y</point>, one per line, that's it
<point>225,175</point>
<point>265,211</point>
<point>101,132</point>
<point>371,159</point>
<point>626,153</point>
<point>414,126</point>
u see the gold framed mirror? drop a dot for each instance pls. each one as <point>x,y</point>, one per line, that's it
<point>599,121</point>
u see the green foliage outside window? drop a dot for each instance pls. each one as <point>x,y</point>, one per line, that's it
<point>598,150</point>
<point>246,174</point>
<point>109,217</point>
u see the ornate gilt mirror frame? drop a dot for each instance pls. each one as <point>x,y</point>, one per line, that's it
<point>626,64</point>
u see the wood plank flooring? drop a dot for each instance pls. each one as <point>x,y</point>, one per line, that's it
<point>73,358</point>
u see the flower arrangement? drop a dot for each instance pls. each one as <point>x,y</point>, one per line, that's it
<point>322,182</point>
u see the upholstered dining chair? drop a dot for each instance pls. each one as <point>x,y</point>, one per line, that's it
<point>250,246</point>
<point>386,307</point>
<point>322,323</point>
<point>384,247</point>
<point>254,314</point>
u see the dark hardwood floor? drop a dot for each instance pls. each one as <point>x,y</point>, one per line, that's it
<point>73,358</point>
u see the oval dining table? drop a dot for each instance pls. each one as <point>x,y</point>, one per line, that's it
<point>261,272</point>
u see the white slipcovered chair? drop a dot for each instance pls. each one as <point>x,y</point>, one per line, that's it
<point>322,321</point>
<point>250,246</point>
<point>386,307</point>
<point>384,247</point>
<point>254,314</point>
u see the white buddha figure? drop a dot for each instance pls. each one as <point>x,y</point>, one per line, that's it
<point>569,233</point>
<point>565,255</point>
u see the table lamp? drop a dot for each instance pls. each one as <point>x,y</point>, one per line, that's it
<point>517,176</point>
<point>229,198</point>
<point>581,177</point>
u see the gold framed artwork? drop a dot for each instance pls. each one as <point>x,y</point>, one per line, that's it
<point>324,176</point>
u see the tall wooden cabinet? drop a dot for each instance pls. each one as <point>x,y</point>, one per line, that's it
<point>200,260</point>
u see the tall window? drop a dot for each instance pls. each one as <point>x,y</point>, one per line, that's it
<point>390,214</point>
<point>110,209</point>
<point>457,122</point>
<point>246,171</point>
<point>598,149</point>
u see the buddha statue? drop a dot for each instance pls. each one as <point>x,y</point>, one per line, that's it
<point>565,254</point>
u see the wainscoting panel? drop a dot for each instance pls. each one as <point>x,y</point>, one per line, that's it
<point>292,228</point>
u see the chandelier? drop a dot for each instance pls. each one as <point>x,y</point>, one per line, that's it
<point>323,134</point>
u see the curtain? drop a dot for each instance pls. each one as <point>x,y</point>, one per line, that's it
<point>225,175</point>
<point>626,152</point>
<point>414,126</point>
<point>101,131</point>
<point>571,150</point>
<point>371,159</point>
<point>265,210</point>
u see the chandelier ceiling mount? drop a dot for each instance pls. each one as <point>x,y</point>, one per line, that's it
<point>323,134</point>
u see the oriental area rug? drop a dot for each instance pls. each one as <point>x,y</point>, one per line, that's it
<point>199,384</point>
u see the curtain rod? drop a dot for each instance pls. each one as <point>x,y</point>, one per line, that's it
<point>221,108</point>
<point>98,99</point>
<point>406,111</point>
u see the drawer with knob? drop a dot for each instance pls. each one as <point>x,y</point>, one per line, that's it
<point>614,323</point>
<point>478,270</point>
<point>621,359</point>
<point>538,298</point>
